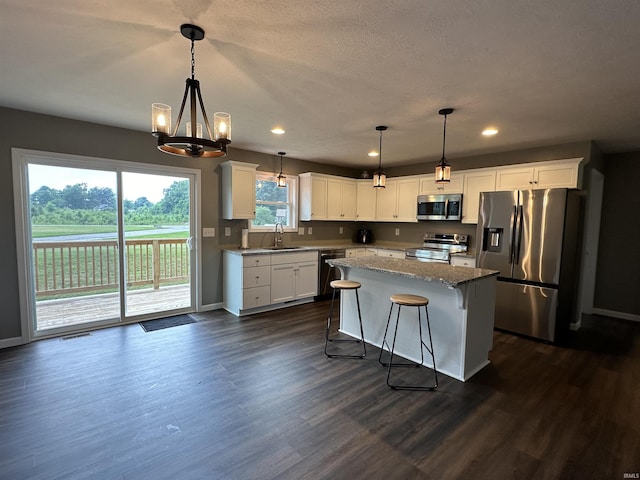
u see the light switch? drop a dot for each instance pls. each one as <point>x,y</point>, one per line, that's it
<point>227,231</point>
<point>301,231</point>
<point>341,230</point>
<point>208,232</point>
<point>310,231</point>
<point>397,232</point>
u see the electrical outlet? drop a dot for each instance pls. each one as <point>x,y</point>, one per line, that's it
<point>227,231</point>
<point>397,232</point>
<point>310,231</point>
<point>208,232</point>
<point>301,231</point>
<point>341,230</point>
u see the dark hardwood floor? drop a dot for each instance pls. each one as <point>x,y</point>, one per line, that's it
<point>255,398</point>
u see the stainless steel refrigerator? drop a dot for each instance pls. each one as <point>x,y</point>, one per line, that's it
<point>531,238</point>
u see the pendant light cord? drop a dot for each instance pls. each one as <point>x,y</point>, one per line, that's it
<point>380,153</point>
<point>193,59</point>
<point>444,136</point>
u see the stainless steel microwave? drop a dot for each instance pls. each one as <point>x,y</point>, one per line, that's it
<point>446,206</point>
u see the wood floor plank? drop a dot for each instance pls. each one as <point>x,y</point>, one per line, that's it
<point>256,398</point>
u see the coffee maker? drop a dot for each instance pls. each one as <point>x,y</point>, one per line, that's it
<point>364,235</point>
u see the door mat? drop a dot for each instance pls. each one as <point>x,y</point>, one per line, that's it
<point>167,322</point>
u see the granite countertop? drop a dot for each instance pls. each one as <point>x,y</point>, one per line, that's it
<point>429,271</point>
<point>319,246</point>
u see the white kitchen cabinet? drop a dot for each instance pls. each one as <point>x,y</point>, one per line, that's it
<point>398,201</point>
<point>365,201</point>
<point>238,190</point>
<point>313,197</point>
<point>428,185</point>
<point>354,252</point>
<point>341,198</point>
<point>554,174</point>
<point>462,261</point>
<point>390,253</point>
<point>294,276</point>
<point>263,282</point>
<point>246,281</point>
<point>476,181</point>
<point>370,252</point>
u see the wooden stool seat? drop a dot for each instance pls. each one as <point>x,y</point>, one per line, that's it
<point>345,284</point>
<point>409,300</point>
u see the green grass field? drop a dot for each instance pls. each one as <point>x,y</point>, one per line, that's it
<point>42,231</point>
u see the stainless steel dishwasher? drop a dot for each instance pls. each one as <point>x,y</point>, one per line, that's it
<point>327,273</point>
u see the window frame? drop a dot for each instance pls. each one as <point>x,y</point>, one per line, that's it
<point>292,202</point>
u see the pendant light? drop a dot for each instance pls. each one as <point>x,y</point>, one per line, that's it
<point>379,177</point>
<point>282,180</point>
<point>443,169</point>
<point>193,144</point>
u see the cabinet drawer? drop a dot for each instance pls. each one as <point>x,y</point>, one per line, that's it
<point>256,276</point>
<point>256,297</point>
<point>294,257</point>
<point>460,261</point>
<point>256,260</point>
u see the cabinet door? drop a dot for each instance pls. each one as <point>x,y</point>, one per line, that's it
<point>407,200</point>
<point>318,198</point>
<point>349,199</point>
<point>238,190</point>
<point>283,283</point>
<point>386,202</point>
<point>306,279</point>
<point>462,261</point>
<point>557,176</point>
<point>334,199</point>
<point>474,183</point>
<point>428,185</point>
<point>514,178</point>
<point>365,201</point>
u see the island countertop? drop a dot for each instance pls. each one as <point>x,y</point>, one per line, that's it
<point>449,275</point>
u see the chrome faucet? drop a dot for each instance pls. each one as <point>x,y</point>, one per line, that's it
<point>278,235</point>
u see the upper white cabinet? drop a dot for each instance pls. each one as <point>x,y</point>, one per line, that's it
<point>238,190</point>
<point>313,196</point>
<point>476,181</point>
<point>428,185</point>
<point>398,201</point>
<point>341,198</point>
<point>556,174</point>
<point>365,201</point>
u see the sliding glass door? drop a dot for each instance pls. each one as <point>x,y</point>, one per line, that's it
<point>103,242</point>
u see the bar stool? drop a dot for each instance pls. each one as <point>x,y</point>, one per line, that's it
<point>406,300</point>
<point>344,285</point>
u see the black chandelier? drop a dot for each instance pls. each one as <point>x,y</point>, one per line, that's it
<point>379,177</point>
<point>193,144</point>
<point>443,169</point>
<point>282,180</point>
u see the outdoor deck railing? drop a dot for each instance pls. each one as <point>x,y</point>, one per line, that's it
<point>92,266</point>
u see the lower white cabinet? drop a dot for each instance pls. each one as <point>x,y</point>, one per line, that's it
<point>462,261</point>
<point>387,252</point>
<point>264,282</point>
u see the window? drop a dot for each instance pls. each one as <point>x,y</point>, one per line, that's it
<point>275,204</point>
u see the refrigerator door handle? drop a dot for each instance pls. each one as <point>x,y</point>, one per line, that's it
<point>519,235</point>
<point>514,228</point>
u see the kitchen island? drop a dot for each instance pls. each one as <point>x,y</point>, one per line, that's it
<point>461,309</point>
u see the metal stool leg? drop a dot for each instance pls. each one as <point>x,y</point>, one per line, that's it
<point>422,344</point>
<point>390,349</point>
<point>344,340</point>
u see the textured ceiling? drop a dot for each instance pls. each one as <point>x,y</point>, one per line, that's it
<point>329,71</point>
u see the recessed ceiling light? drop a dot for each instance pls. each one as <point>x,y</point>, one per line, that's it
<point>372,154</point>
<point>489,132</point>
<point>277,131</point>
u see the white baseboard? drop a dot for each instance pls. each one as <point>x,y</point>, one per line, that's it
<point>11,342</point>
<point>211,306</point>
<point>621,315</point>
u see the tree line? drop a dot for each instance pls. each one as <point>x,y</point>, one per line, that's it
<point>80,205</point>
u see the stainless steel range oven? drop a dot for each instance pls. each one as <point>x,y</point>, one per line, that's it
<point>438,247</point>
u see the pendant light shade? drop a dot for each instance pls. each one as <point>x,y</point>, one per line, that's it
<point>282,180</point>
<point>379,177</point>
<point>193,143</point>
<point>443,169</point>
